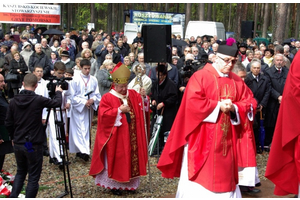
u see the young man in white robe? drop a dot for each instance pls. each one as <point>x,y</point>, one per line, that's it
<point>86,98</point>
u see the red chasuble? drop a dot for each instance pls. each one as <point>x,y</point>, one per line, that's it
<point>125,145</point>
<point>212,152</point>
<point>283,167</point>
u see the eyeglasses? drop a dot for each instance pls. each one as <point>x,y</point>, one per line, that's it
<point>227,61</point>
<point>187,51</point>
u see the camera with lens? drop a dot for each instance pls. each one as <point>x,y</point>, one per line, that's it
<point>188,69</point>
<point>54,81</point>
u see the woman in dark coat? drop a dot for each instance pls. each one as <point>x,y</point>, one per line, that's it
<point>17,66</point>
<point>164,99</point>
<point>5,142</point>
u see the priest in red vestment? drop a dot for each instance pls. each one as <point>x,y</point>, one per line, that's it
<point>283,167</point>
<point>202,146</point>
<point>120,150</point>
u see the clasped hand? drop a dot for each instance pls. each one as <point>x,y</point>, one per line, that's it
<point>226,105</point>
<point>124,109</point>
<point>89,103</point>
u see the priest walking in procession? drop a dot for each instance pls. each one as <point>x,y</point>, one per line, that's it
<point>202,146</point>
<point>85,99</point>
<point>120,150</point>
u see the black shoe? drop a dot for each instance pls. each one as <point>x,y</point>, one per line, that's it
<point>45,152</point>
<point>53,160</point>
<point>253,190</point>
<point>258,184</point>
<point>85,157</point>
<point>116,192</point>
<point>131,191</point>
<point>78,154</point>
<point>258,151</point>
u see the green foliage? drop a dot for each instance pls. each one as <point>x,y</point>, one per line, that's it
<point>83,15</point>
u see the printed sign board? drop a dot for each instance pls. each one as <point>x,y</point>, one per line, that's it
<point>30,13</point>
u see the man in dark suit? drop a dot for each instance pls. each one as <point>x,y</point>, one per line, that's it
<point>110,50</point>
<point>277,75</point>
<point>260,86</point>
<point>204,51</point>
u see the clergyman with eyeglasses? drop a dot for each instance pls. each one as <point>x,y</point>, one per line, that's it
<point>202,146</point>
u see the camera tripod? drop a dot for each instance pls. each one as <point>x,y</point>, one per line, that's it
<point>61,137</point>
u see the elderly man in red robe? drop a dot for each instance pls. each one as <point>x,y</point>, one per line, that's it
<point>202,146</point>
<point>120,150</point>
<point>283,167</point>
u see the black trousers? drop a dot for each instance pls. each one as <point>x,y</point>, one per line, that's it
<point>31,163</point>
<point>269,135</point>
<point>2,157</point>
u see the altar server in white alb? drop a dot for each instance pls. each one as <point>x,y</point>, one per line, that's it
<point>86,98</point>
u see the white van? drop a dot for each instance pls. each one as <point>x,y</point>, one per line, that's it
<point>130,30</point>
<point>200,28</point>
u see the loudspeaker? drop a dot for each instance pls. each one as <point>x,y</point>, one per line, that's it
<point>156,39</point>
<point>247,29</point>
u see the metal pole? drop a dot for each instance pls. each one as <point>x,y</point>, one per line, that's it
<point>145,125</point>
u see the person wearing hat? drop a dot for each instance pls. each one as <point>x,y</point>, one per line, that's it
<point>23,39</point>
<point>27,52</point>
<point>65,58</point>
<point>202,145</point>
<point>242,52</point>
<point>120,149</point>
<point>32,38</point>
<point>163,100</point>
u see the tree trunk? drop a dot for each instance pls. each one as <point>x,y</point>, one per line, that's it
<point>238,21</point>
<point>93,16</point>
<point>201,11</point>
<point>255,19</point>
<point>209,11</point>
<point>266,20</point>
<point>229,19</point>
<point>287,26</point>
<point>188,12</point>
<point>214,12</point>
<point>69,15</point>
<point>280,22</point>
<point>109,18</point>
<point>296,34</point>
<point>148,6</point>
<point>244,11</point>
<point>166,7</point>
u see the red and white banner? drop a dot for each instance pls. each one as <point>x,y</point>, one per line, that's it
<point>30,13</point>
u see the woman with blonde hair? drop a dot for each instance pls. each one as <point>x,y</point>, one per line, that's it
<point>87,54</point>
<point>134,49</point>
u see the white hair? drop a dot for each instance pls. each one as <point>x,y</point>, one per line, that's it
<point>189,56</point>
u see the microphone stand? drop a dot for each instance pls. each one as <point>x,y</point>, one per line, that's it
<point>90,127</point>
<point>139,79</point>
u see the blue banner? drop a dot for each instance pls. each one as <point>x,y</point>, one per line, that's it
<point>146,17</point>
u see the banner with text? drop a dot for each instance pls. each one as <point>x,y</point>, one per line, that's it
<point>30,13</point>
<point>149,17</point>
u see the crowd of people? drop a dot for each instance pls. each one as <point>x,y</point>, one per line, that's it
<point>195,92</point>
